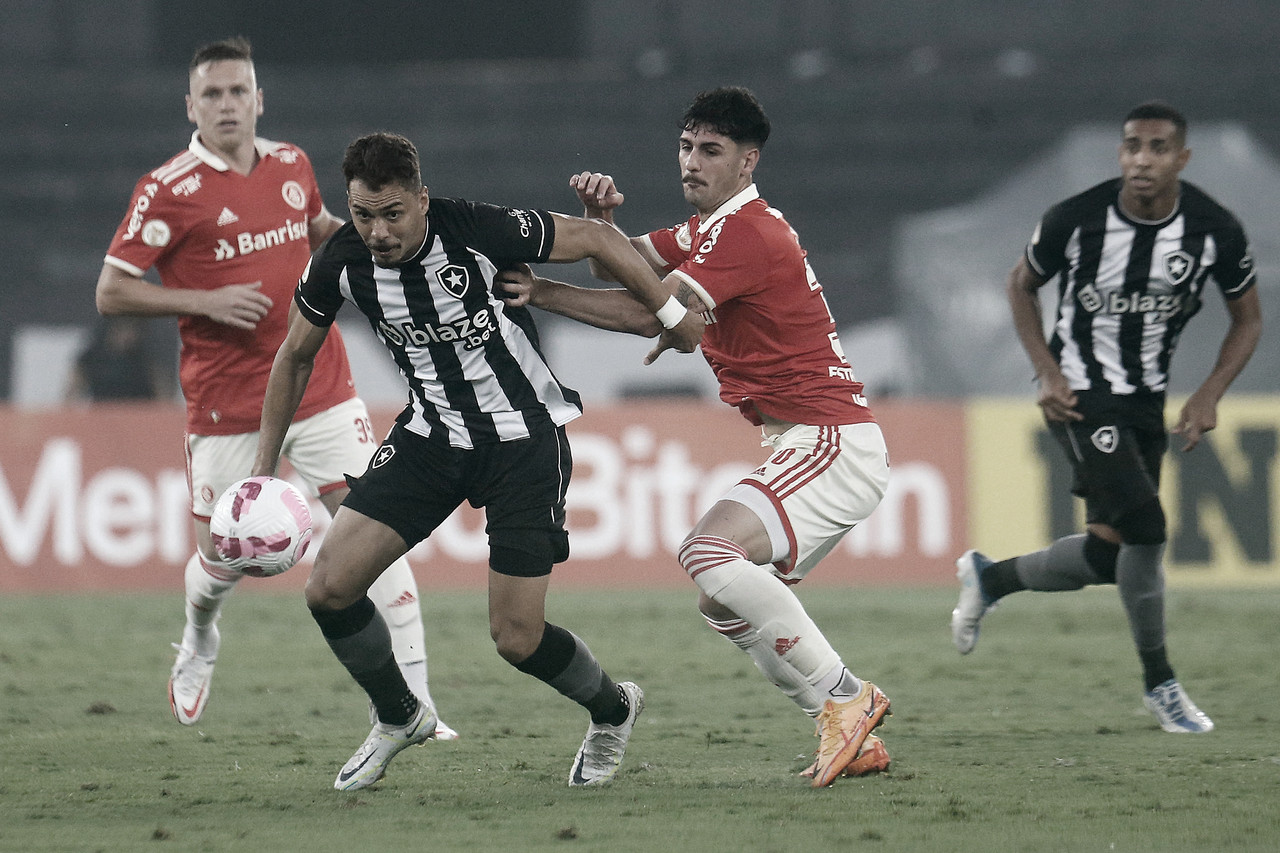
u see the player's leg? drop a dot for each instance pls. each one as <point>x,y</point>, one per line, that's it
<point>213,464</point>
<point>393,505</point>
<point>522,486</point>
<point>786,516</point>
<point>323,449</point>
<point>357,550</point>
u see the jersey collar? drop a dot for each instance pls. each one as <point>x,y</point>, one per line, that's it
<point>733,205</point>
<point>264,147</point>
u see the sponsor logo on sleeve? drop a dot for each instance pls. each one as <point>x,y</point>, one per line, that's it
<point>156,233</point>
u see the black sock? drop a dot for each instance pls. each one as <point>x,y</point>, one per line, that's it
<point>999,579</point>
<point>563,661</point>
<point>1155,668</point>
<point>360,640</point>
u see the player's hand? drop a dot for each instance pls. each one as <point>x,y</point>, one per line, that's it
<point>515,285</point>
<point>685,337</point>
<point>240,306</point>
<point>597,192</point>
<point>1057,399</point>
<point>1198,416</point>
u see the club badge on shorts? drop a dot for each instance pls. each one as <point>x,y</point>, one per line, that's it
<point>1105,439</point>
<point>383,456</point>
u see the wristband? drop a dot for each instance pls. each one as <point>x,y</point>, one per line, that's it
<point>671,313</point>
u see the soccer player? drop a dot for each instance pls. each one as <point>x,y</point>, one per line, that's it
<point>1132,255</point>
<point>773,345</point>
<point>228,224</point>
<point>485,423</point>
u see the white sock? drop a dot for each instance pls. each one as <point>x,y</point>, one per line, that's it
<point>839,684</point>
<point>208,583</point>
<point>783,675</point>
<point>395,594</point>
<point>723,572</point>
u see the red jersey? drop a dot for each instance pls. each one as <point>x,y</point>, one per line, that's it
<point>202,226</point>
<point>770,338</point>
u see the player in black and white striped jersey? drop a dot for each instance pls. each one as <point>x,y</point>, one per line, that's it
<point>485,424</point>
<point>1133,256</point>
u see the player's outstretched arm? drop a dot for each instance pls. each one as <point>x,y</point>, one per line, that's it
<point>241,306</point>
<point>290,373</point>
<point>589,238</point>
<point>612,309</point>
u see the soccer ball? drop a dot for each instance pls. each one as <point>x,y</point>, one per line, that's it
<point>261,526</point>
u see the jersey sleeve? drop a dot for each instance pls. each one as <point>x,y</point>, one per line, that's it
<point>1234,269</point>
<point>726,261</point>
<point>503,234</point>
<point>318,295</point>
<point>1046,252</point>
<point>152,227</point>
<point>670,246</point>
<point>315,202</point>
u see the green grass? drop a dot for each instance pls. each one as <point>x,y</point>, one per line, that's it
<point>1035,742</point>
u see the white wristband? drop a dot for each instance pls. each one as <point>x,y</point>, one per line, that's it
<point>671,313</point>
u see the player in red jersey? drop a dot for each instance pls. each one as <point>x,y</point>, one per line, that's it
<point>773,345</point>
<point>228,224</point>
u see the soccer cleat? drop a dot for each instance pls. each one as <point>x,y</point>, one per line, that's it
<point>384,743</point>
<point>872,757</point>
<point>1175,711</point>
<point>600,755</point>
<point>443,730</point>
<point>973,604</point>
<point>842,729</point>
<point>189,683</point>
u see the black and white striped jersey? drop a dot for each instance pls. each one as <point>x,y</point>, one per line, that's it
<point>1127,288</point>
<point>474,366</point>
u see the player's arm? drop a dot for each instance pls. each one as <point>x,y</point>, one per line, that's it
<point>321,227</point>
<point>600,198</point>
<point>1200,414</point>
<point>613,309</point>
<point>1023,290</point>
<point>576,239</point>
<point>237,305</point>
<point>290,373</point>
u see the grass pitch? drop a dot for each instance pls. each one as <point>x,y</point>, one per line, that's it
<point>1035,742</point>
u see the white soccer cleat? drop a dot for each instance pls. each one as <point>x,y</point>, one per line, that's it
<point>189,682</point>
<point>1175,710</point>
<point>443,730</point>
<point>600,755</point>
<point>973,605</point>
<point>384,743</point>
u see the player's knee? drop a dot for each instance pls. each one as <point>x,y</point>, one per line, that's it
<point>712,562</point>
<point>1144,525</point>
<point>514,638</point>
<point>1101,557</point>
<point>325,592</point>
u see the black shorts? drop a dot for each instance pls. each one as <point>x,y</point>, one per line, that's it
<point>414,483</point>
<point>1115,453</point>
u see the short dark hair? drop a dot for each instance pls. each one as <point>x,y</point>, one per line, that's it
<point>379,159</point>
<point>1159,111</point>
<point>234,48</point>
<point>731,111</point>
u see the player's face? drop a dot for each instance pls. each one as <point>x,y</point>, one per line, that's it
<point>224,103</point>
<point>392,220</point>
<point>1152,155</point>
<point>713,168</point>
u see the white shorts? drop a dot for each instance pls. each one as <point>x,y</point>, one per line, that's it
<point>322,449</point>
<point>819,483</point>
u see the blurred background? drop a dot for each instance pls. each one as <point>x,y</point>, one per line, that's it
<point>915,144</point>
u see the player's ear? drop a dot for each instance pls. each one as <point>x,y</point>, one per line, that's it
<point>424,199</point>
<point>749,160</point>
